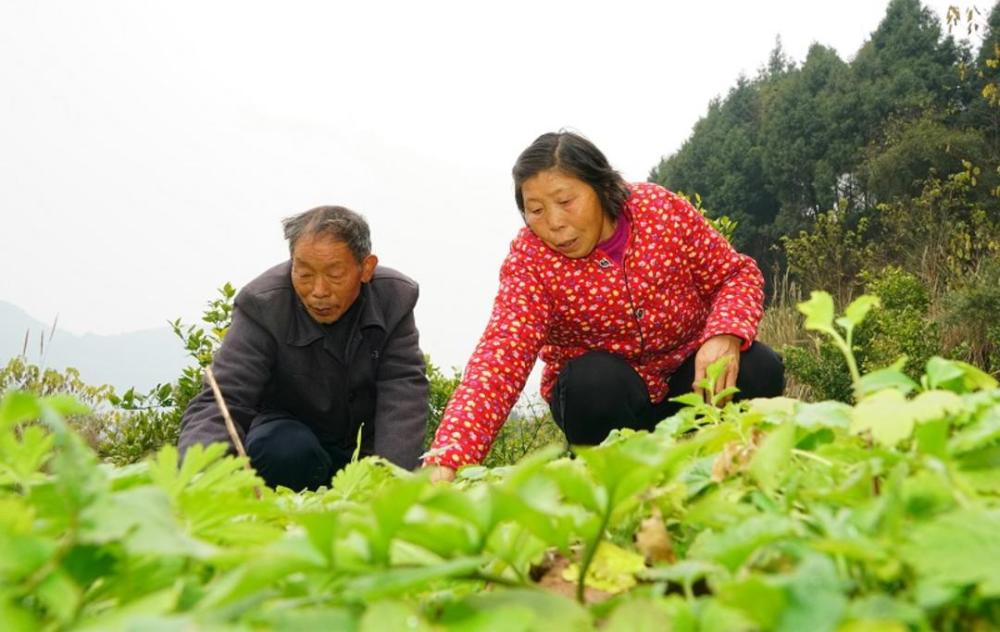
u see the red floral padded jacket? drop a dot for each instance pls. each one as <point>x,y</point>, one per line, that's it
<point>681,284</point>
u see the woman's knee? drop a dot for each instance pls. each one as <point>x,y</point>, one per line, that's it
<point>762,372</point>
<point>595,393</point>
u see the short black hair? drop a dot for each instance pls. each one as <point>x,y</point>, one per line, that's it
<point>578,157</point>
<point>338,222</point>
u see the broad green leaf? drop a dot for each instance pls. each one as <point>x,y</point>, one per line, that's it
<point>816,597</point>
<point>269,565</point>
<point>403,581</point>
<point>64,405</point>
<point>960,548</point>
<point>441,533</point>
<point>778,407</point>
<point>60,595</point>
<point>715,370</point>
<point>23,554</point>
<point>297,618</point>
<point>818,311</point>
<point>885,610</point>
<point>577,485</point>
<point>889,377</point>
<point>933,405</point>
<point>957,376</point>
<point>473,505</point>
<point>714,616</point>
<point>18,407</point>
<point>758,599</point>
<point>859,308</point>
<point>982,432</point>
<point>823,415</point>
<point>734,545</point>
<point>689,399</point>
<point>927,494</point>
<point>646,614</point>
<point>462,617</point>
<point>769,464</point>
<point>940,372</point>
<point>142,519</point>
<point>554,613</point>
<point>887,415</point>
<point>932,437</point>
<point>392,615</point>
<point>359,480</point>
<point>16,617</point>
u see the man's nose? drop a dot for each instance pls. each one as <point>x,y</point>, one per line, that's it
<point>321,288</point>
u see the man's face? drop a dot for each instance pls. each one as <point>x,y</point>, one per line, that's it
<point>327,277</point>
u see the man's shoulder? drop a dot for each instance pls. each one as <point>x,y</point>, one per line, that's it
<point>274,279</point>
<point>392,278</point>
<point>393,289</point>
<point>269,297</point>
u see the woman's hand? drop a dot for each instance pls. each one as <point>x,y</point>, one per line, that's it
<point>441,474</point>
<point>713,349</point>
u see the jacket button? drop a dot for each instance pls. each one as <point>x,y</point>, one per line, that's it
<point>639,313</point>
<point>352,396</point>
<point>604,263</point>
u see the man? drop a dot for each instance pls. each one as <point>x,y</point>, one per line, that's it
<point>320,346</point>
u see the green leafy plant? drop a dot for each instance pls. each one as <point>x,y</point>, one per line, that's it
<point>768,514</point>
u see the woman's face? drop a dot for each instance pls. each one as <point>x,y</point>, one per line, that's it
<point>565,213</point>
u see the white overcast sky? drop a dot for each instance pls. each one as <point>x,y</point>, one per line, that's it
<point>149,149</point>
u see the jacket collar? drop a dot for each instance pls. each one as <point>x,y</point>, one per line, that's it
<point>305,331</point>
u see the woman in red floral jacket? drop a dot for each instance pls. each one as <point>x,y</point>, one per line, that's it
<point>626,293</point>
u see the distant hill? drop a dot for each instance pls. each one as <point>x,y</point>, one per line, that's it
<point>140,359</point>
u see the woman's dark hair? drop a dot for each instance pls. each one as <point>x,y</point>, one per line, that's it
<point>576,156</point>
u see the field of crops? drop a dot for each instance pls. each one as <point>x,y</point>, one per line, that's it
<point>768,515</point>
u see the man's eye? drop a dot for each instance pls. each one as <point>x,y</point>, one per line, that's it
<point>565,202</point>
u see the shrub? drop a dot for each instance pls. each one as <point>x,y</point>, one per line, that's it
<point>971,318</point>
<point>900,326</point>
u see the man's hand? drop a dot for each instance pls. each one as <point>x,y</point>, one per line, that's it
<point>441,474</point>
<point>713,349</point>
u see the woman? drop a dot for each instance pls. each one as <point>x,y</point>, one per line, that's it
<point>626,293</point>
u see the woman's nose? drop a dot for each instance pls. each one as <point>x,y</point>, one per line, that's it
<point>556,220</point>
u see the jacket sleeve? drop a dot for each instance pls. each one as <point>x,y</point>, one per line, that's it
<point>498,369</point>
<point>401,396</point>
<point>730,282</point>
<point>242,367</point>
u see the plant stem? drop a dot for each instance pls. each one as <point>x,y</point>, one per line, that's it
<point>810,455</point>
<point>591,551</point>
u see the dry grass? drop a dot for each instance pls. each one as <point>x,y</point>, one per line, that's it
<point>781,326</point>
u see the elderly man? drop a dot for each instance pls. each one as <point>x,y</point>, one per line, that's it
<point>320,346</point>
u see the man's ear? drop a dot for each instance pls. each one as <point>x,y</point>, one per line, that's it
<point>368,268</point>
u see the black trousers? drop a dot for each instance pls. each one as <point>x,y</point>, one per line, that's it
<point>286,452</point>
<point>598,392</point>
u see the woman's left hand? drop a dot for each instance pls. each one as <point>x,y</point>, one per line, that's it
<point>713,349</point>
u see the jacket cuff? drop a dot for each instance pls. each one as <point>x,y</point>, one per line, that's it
<point>745,334</point>
<point>450,455</point>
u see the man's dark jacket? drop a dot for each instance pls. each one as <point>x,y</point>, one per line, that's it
<point>276,362</point>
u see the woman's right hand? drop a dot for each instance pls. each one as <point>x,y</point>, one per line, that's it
<point>441,474</point>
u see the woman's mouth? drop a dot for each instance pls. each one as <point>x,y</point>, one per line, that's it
<point>567,245</point>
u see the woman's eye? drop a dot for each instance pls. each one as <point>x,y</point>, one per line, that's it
<point>535,211</point>
<point>564,202</point>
